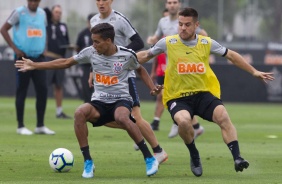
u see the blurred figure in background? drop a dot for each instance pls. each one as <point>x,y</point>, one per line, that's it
<point>29,41</point>
<point>58,42</point>
<point>84,40</point>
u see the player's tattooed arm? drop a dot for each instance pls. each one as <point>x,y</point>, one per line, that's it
<point>144,56</point>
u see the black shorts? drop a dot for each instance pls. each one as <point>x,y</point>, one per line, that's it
<point>201,104</point>
<point>107,111</point>
<point>56,77</point>
<point>160,80</point>
<point>133,91</point>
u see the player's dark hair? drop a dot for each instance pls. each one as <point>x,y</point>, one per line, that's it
<point>189,12</point>
<point>105,30</point>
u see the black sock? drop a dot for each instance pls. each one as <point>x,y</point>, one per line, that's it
<point>39,124</point>
<point>157,149</point>
<point>196,126</point>
<point>156,122</point>
<point>234,148</point>
<point>144,149</point>
<point>86,153</point>
<point>20,124</point>
<point>193,150</point>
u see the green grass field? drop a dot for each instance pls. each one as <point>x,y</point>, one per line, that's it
<point>24,159</point>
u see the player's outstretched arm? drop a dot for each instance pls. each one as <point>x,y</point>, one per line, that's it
<point>240,62</point>
<point>155,89</point>
<point>27,64</point>
<point>144,56</point>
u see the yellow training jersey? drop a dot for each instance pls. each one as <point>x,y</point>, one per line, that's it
<point>188,70</point>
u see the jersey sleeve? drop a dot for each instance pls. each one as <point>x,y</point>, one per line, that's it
<point>127,27</point>
<point>159,47</point>
<point>13,18</point>
<point>83,56</point>
<point>133,63</point>
<point>217,49</point>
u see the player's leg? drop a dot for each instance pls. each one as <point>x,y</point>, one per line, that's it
<point>159,107</point>
<point>84,113</point>
<point>229,135</point>
<point>149,135</point>
<point>39,81</point>
<point>59,76</point>
<point>198,129</point>
<point>181,114</point>
<point>122,115</point>
<point>22,84</point>
<point>143,125</point>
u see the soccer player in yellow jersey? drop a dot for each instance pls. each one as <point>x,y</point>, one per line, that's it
<point>191,88</point>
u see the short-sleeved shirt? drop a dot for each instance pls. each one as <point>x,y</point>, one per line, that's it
<point>58,38</point>
<point>123,28</point>
<point>167,27</point>
<point>29,30</point>
<point>110,73</point>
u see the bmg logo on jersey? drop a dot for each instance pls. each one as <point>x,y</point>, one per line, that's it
<point>190,68</point>
<point>34,33</point>
<point>117,67</point>
<point>105,79</point>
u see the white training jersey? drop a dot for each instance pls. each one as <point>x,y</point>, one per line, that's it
<point>123,28</point>
<point>168,27</point>
<point>110,73</point>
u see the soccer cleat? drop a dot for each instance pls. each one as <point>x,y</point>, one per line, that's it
<point>241,164</point>
<point>24,131</point>
<point>198,132</point>
<point>161,157</point>
<point>173,131</point>
<point>89,169</point>
<point>44,130</point>
<point>152,166</point>
<point>63,116</point>
<point>135,147</point>
<point>196,166</point>
<point>155,125</point>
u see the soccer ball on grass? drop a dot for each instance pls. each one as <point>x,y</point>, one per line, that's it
<point>61,160</point>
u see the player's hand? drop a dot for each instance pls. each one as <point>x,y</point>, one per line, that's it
<point>264,76</point>
<point>156,90</point>
<point>24,65</point>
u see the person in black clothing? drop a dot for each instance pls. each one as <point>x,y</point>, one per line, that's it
<point>29,40</point>
<point>58,42</point>
<point>84,40</point>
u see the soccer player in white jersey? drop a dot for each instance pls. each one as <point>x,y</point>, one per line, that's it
<point>168,26</point>
<point>111,100</point>
<point>191,87</point>
<point>128,37</point>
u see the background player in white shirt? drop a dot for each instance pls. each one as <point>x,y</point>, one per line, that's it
<point>111,100</point>
<point>127,36</point>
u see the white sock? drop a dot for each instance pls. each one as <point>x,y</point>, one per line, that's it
<point>156,118</point>
<point>59,110</point>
